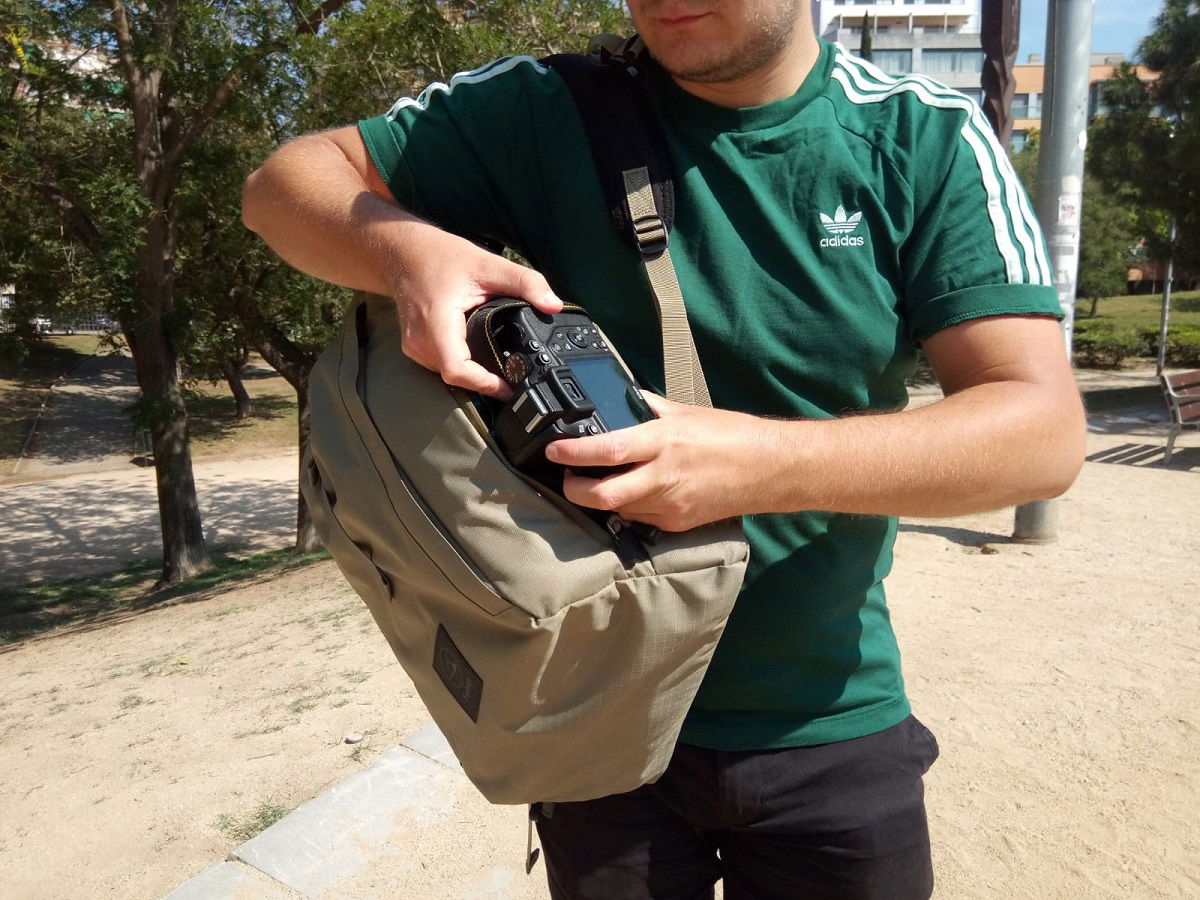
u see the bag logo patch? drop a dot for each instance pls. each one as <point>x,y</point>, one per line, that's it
<point>463,682</point>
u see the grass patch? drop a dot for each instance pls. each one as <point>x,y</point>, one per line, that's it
<point>130,701</point>
<point>1136,312</point>
<point>23,384</point>
<point>304,704</point>
<point>1128,326</point>
<point>266,814</point>
<point>34,609</point>
<point>216,431</point>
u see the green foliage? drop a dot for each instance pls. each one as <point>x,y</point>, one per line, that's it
<point>865,48</point>
<point>265,814</point>
<point>1109,231</point>
<point>379,51</point>
<point>14,348</point>
<point>1183,345</point>
<point>1101,346</point>
<point>1128,327</point>
<point>1148,144</point>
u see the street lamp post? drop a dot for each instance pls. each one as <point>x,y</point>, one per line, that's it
<point>1060,192</point>
<point>1166,301</point>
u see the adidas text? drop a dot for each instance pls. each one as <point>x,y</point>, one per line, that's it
<point>844,240</point>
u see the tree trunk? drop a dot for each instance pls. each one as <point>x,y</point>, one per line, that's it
<point>306,532</point>
<point>294,365</point>
<point>231,369</point>
<point>1095,306</point>
<point>156,361</point>
<point>1001,27</point>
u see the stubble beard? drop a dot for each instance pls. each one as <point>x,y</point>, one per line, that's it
<point>769,34</point>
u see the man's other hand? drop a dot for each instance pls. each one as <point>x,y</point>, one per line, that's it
<point>690,466</point>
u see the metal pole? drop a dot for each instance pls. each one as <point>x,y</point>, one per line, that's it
<point>1166,303</point>
<point>1060,191</point>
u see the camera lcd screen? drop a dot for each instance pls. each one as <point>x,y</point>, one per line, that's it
<point>608,387</point>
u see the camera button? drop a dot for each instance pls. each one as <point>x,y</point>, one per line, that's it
<point>544,358</point>
<point>593,428</point>
<point>533,346</point>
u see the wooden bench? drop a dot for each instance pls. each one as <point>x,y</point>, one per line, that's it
<point>1182,393</point>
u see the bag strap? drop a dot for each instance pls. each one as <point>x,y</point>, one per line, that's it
<point>610,88</point>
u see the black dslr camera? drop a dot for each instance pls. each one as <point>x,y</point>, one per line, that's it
<point>566,382</point>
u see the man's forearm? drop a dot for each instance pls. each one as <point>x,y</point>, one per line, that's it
<point>990,446</point>
<point>1010,429</point>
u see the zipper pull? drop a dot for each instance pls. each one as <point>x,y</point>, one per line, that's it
<point>615,525</point>
<point>625,540</point>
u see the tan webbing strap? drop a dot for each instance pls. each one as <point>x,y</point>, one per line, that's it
<point>681,365</point>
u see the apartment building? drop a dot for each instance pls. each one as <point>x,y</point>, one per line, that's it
<point>936,39</point>
<point>1029,95</point>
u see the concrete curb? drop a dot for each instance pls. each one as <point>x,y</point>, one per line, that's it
<point>401,827</point>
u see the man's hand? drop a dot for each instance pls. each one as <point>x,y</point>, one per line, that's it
<point>433,298</point>
<point>689,466</point>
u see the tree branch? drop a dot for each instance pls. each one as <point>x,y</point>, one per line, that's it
<point>120,20</point>
<point>229,83</point>
<point>78,222</point>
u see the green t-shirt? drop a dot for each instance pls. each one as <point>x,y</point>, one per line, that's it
<point>817,239</point>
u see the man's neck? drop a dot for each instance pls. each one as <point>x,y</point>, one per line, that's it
<point>779,78</point>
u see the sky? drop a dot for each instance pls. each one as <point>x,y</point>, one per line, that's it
<point>1117,26</point>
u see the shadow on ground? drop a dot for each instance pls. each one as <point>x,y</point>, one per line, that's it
<point>214,418</point>
<point>1183,458</point>
<point>87,604</point>
<point>58,529</point>
<point>963,536</point>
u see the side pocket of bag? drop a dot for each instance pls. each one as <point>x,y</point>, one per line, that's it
<point>355,560</point>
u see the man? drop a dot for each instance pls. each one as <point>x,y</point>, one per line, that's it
<point>829,221</point>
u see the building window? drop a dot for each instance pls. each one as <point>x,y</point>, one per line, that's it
<point>937,62</point>
<point>975,94</point>
<point>1018,141</point>
<point>894,62</point>
<point>1027,106</point>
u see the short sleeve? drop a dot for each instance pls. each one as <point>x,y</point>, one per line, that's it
<point>466,155</point>
<point>975,248</point>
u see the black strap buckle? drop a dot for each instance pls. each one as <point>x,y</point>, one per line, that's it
<point>651,235</point>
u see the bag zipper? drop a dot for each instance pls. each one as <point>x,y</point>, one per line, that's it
<point>615,530</point>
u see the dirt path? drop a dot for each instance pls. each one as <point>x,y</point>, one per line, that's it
<point>80,524</point>
<point>133,752</point>
<point>84,428</point>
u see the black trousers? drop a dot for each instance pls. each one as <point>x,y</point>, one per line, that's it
<point>844,820</point>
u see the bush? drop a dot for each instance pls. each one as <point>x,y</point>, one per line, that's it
<point>1100,346</point>
<point>14,349</point>
<point>1183,345</point>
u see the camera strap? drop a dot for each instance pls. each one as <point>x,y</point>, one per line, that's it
<point>610,89</point>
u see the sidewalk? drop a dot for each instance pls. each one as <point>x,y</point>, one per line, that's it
<point>410,825</point>
<point>84,427</point>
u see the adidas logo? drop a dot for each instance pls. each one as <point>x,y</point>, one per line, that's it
<point>842,227</point>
